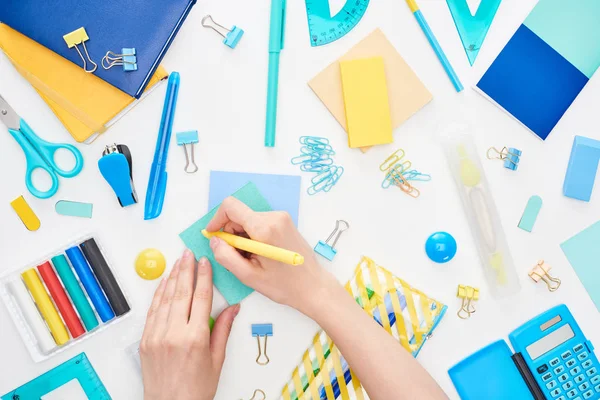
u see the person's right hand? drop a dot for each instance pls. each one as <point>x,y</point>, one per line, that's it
<point>300,287</point>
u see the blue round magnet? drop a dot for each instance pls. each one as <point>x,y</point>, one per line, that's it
<point>440,247</point>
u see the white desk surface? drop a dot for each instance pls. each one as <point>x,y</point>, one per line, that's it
<point>222,95</point>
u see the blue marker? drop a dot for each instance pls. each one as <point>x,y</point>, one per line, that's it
<point>276,39</point>
<point>157,184</point>
<point>89,282</point>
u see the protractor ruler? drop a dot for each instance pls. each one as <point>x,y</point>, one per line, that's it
<point>325,28</point>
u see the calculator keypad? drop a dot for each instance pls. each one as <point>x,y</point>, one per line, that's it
<point>572,376</point>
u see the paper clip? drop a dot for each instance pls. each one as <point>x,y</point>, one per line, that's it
<point>541,272</point>
<point>392,160</point>
<point>510,156</point>
<point>127,59</point>
<point>80,36</point>
<point>468,295</point>
<point>231,36</point>
<point>324,248</point>
<point>264,396</point>
<point>317,157</point>
<point>186,139</point>
<point>399,180</point>
<point>398,173</point>
<point>258,331</point>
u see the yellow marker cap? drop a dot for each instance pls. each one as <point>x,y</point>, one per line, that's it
<point>45,305</point>
<point>150,264</point>
<point>30,220</point>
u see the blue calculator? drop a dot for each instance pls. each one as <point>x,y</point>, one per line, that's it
<point>558,355</point>
<point>552,360</point>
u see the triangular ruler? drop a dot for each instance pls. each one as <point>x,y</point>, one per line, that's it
<point>473,28</point>
<point>325,28</point>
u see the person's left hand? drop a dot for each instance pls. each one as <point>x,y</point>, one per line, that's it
<point>180,358</point>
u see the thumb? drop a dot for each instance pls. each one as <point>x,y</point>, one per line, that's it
<point>220,334</point>
<point>231,259</point>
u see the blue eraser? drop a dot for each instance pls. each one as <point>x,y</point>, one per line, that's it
<point>325,250</point>
<point>262,330</point>
<point>234,37</point>
<point>188,137</point>
<point>583,165</point>
<point>129,59</point>
<point>512,159</point>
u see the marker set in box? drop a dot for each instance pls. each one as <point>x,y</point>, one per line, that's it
<point>65,298</point>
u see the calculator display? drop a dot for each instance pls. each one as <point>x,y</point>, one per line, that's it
<point>550,341</point>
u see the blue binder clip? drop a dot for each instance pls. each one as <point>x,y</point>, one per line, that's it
<point>258,331</point>
<point>510,156</point>
<point>127,59</point>
<point>231,37</point>
<point>186,139</point>
<point>324,248</point>
<point>115,166</point>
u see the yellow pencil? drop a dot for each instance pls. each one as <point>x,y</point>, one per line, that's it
<point>258,248</point>
<point>44,304</point>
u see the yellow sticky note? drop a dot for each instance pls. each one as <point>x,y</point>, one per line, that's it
<point>366,102</point>
<point>30,220</point>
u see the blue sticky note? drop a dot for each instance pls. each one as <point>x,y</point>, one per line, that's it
<point>533,82</point>
<point>230,287</point>
<point>583,165</point>
<point>282,192</point>
<point>571,28</point>
<point>583,252</point>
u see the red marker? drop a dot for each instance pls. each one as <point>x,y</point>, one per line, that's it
<point>61,300</point>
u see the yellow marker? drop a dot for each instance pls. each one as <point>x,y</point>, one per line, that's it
<point>258,248</point>
<point>413,5</point>
<point>30,220</point>
<point>44,304</point>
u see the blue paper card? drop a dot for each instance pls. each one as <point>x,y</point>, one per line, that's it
<point>282,192</point>
<point>533,82</point>
<point>230,287</point>
<point>583,253</point>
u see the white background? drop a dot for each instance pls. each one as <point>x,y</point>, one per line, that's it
<point>222,95</point>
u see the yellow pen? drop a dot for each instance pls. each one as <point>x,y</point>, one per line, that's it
<point>258,248</point>
<point>45,306</point>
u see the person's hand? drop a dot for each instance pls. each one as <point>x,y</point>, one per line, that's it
<point>301,287</point>
<point>180,358</point>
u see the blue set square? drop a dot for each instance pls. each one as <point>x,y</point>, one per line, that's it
<point>533,82</point>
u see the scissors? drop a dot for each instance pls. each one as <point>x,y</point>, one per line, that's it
<point>38,152</point>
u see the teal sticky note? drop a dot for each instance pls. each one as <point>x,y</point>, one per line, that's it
<point>583,252</point>
<point>74,208</point>
<point>230,287</point>
<point>572,28</point>
<point>534,205</point>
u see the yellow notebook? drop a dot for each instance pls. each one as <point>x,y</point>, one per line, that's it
<point>366,102</point>
<point>84,103</point>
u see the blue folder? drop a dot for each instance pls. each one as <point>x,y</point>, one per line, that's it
<point>149,26</point>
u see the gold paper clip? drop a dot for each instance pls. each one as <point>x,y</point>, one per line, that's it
<point>80,36</point>
<point>402,182</point>
<point>468,295</point>
<point>392,160</point>
<point>264,396</point>
<point>541,272</point>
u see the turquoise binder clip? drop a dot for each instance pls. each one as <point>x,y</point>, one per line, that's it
<point>186,139</point>
<point>231,37</point>
<point>328,250</point>
<point>473,28</point>
<point>116,167</point>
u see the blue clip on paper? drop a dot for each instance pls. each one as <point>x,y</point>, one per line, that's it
<point>115,166</point>
<point>258,331</point>
<point>510,156</point>
<point>328,250</point>
<point>186,139</point>
<point>127,59</point>
<point>231,37</point>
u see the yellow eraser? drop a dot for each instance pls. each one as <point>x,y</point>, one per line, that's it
<point>45,306</point>
<point>30,220</point>
<point>366,102</point>
<point>78,36</point>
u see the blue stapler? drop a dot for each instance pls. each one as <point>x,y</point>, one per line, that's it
<point>116,167</point>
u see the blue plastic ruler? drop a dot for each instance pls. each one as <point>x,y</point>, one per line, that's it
<point>78,367</point>
<point>325,28</point>
<point>473,28</point>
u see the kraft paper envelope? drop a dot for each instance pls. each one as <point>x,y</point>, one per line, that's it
<point>407,94</point>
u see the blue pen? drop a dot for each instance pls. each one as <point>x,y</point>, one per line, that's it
<point>276,38</point>
<point>157,184</point>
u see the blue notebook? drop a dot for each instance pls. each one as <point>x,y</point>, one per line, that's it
<point>149,26</point>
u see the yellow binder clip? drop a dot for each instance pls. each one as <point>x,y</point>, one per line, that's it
<point>80,36</point>
<point>468,295</point>
<point>541,272</point>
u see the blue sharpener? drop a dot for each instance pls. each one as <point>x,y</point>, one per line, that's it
<point>262,330</point>
<point>233,37</point>
<point>512,159</point>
